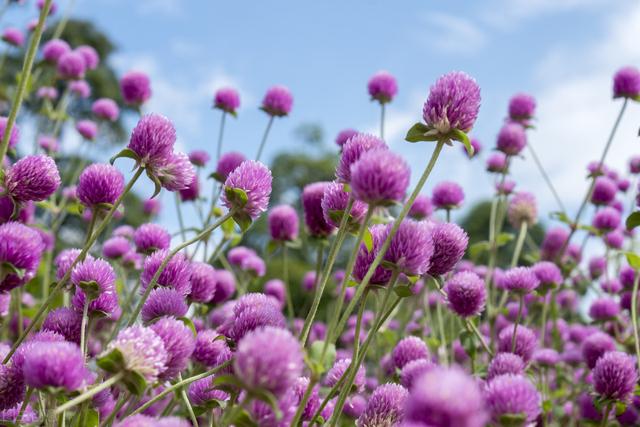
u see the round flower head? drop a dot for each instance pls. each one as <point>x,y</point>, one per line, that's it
<point>447,195</point>
<point>522,208</point>
<point>611,286</point>
<point>269,358</point>
<point>453,103</point>
<point>446,397</point>
<point>553,241</point>
<point>449,242</point>
<point>382,87</point>
<point>48,143</point>
<point>11,414</point>
<point>80,88</point>
<point>546,357</point>
<point>411,248</point>
<point>88,129</point>
<point>596,345</point>
<point>99,184</point>
<point>352,150</point>
<point>228,163</point>
<point>309,280</point>
<point>179,343</point>
<point>614,239</point>
<point>526,341</point>
<point>54,364</point>
<point>163,302</point>
<point>71,66</point>
<point>338,370</point>
<point>150,421</point>
<point>201,392</point>
<point>192,191</point>
<point>99,271</point>
<point>421,208</point>
<point>90,56</point>
<point>409,349</point>
<point>254,179</point>
<point>334,203</point>
<point>512,395</point>
<point>135,88</point>
<point>466,294</point>
<point>176,274</point>
<point>312,196</point>
<point>176,173</point>
<point>365,258</point>
<point>604,191</point>
<point>52,9</point>
<point>313,402</point>
<point>497,163</point>
<point>209,350</point>
<point>414,370</point>
<point>283,223</point>
<point>505,363</point>
<point>477,147</point>
<point>227,99</point>
<point>385,406</point>
<point>615,376</point>
<point>13,36</point>
<point>520,280</point>
<point>225,286</point>
<point>20,248</point>
<point>116,247</point>
<point>380,177</point>
<point>511,139</point>
<point>254,265</point>
<point>603,309</point>
<point>199,158</point>
<point>151,207</point>
<point>548,274</point>
<point>64,321</point>
<point>344,135</point>
<point>203,282</point>
<point>522,108</point>
<point>150,238</point>
<point>106,109</point>
<point>277,101</point>
<point>65,259</point>
<point>54,49</point>
<point>627,276</point>
<point>152,139</point>
<point>142,351</point>
<point>15,132</point>
<point>276,288</point>
<point>32,178</point>
<point>634,165</point>
<point>47,92</point>
<point>626,83</point>
<point>252,311</point>
<point>606,219</point>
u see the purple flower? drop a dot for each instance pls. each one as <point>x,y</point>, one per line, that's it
<point>151,207</point>
<point>21,249</point>
<point>497,163</point>
<point>90,56</point>
<point>283,223</point>
<point>28,416</point>
<point>106,109</point>
<point>421,208</point>
<point>135,88</point>
<point>553,241</point>
<point>596,345</point>
<point>254,179</point>
<point>116,247</point>
<point>47,92</point>
<point>152,140</point>
<point>365,258</point>
<point>99,184</point>
<point>32,178</point>
<point>380,177</point>
<point>615,376</point>
<point>634,165</point>
<point>252,311</point>
<point>449,242</point>
<point>179,344</point>
<point>505,363</point>
<point>71,66</point>
<point>54,364</point>
<point>446,397</point>
<point>238,254</point>
<point>80,88</point>
<point>447,195</point>
<point>64,321</point>
<point>142,351</point>
<point>522,108</point>
<point>201,392</point>
<point>606,219</point>
<point>604,191</point>
<point>522,208</point>
<point>309,280</point>
<point>334,203</point>
<point>54,49</point>
<point>626,83</point>
<point>163,302</point>
<point>13,36</point>
<point>352,150</point>
<point>199,158</point>
<point>313,403</point>
<point>526,341</point>
<point>192,191</point>
<point>150,238</point>
<point>203,282</point>
<point>15,132</point>
<point>520,280</point>
<point>466,294</point>
<point>338,370</point>
<point>546,357</point>
<point>87,128</point>
<point>344,135</point>
<point>100,272</point>
<point>269,358</point>
<point>176,274</point>
<point>12,386</point>
<point>312,196</point>
<point>277,101</point>
<point>276,288</point>
<point>254,265</point>
<point>512,395</point>
<point>382,87</point>
<point>603,309</point>
<point>409,349</point>
<point>228,163</point>
<point>411,248</point>
<point>225,286</point>
<point>65,259</point>
<point>176,173</point>
<point>511,139</point>
<point>227,99</point>
<point>414,370</point>
<point>48,143</point>
<point>210,350</point>
<point>385,406</point>
<point>548,274</point>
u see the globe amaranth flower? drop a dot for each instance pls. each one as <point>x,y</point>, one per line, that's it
<point>497,163</point>
<point>512,139</point>
<point>106,109</point>
<point>276,288</point>
<point>382,87</point>
<point>283,223</point>
<point>99,184</point>
<point>604,191</point>
<point>277,101</point>
<point>151,421</point>
<point>606,219</point>
<point>20,251</point>
<point>411,248</point>
<point>352,150</point>
<point>477,147</point>
<point>163,302</point>
<point>135,88</point>
<point>526,341</point>
<point>312,196</point>
<point>553,242</point>
<point>47,92</point>
<point>32,178</point>
<point>447,195</point>
<point>192,191</point>
<point>103,299</point>
<point>505,363</point>
<point>199,158</point>
<point>227,163</point>
<point>89,55</point>
<point>15,132</point>
<point>179,344</point>
<point>54,49</point>
<point>338,370</point>
<point>344,135</point>
<point>309,280</point>
<point>152,139</point>
<point>176,173</point>
<point>64,321</point>
<point>52,8</point>
<point>88,129</point>
<point>595,346</point>
<point>385,406</point>
<point>54,364</point>
<point>254,178</point>
<point>176,274</point>
<point>48,143</point>
<point>522,209</point>
<point>615,376</point>
<point>227,99</point>
<point>522,108</point>
<point>520,280</point>
<point>421,208</point>
<point>446,396</point>
<point>548,274</point>
<point>334,204</point>
<point>225,286</point>
<point>116,247</point>
<point>626,83</point>
<point>201,392</point>
<point>546,357</point>
<point>449,243</point>
<point>210,350</point>
<point>414,370</point>
<point>150,238</point>
<point>365,257</point>
<point>313,401</point>
<point>634,165</point>
<point>203,282</point>
<point>603,309</point>
<point>512,395</point>
<point>614,239</point>
<point>453,103</point>
<point>254,265</point>
<point>29,416</point>
<point>611,286</point>
<point>65,259</point>
<point>13,36</point>
<point>409,349</point>
<point>151,207</point>
<point>466,294</point>
<point>142,351</point>
<point>238,254</point>
<point>380,177</point>
<point>71,66</point>
<point>252,311</point>
<point>269,358</point>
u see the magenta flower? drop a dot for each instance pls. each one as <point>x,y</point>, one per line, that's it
<point>337,371</point>
<point>54,49</point>
<point>106,109</point>
<point>422,208</point>
<point>179,344</point>
<point>176,274</point>
<point>276,288</point>
<point>163,302</point>
<point>505,363</point>
<point>520,280</point>
<point>409,349</point>
<point>135,88</point>
<point>199,158</point>
<point>225,286</point>
<point>607,219</point>
<point>522,208</point>
<point>48,143</point>
<point>192,191</point>
<point>334,203</point>
<point>142,351</point>
<point>513,395</point>
<point>32,178</point>
<point>203,282</point>
<point>447,195</point>
<point>283,223</point>
<point>71,66</point>
<point>80,88</point>
<point>414,370</point>
<point>344,135</point>
<point>210,351</point>
<point>151,207</point>
<point>603,309</point>
<point>411,248</point>
<point>149,238</point>
<point>512,139</point>
<point>526,341</point>
<point>15,132</point>
<point>99,184</point>
<point>382,87</point>
<point>228,163</point>
<point>104,297</point>
<point>54,364</point>
<point>312,196</point>
<point>254,179</point>
<point>380,177</point>
<point>352,150</point>
<point>497,163</point>
<point>615,376</point>
<point>13,36</point>
<point>253,311</point>
<point>88,129</point>
<point>116,247</point>
<point>277,101</point>
<point>604,191</point>
<point>466,294</point>
<point>64,321</point>
<point>365,258</point>
<point>227,99</point>
<point>385,406</point>
<point>522,108</point>
<point>449,242</point>
<point>20,249</point>
<point>595,346</point>
<point>626,83</point>
<point>176,173</point>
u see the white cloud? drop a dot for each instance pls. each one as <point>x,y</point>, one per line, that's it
<point>510,13</point>
<point>452,34</point>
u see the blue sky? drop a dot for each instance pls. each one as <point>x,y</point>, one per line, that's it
<point>562,52</point>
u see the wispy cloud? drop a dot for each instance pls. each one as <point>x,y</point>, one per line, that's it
<point>452,34</point>
<point>511,13</point>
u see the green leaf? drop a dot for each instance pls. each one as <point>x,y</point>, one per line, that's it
<point>6,268</point>
<point>112,362</point>
<point>413,279</point>
<point>315,356</point>
<point>75,208</point>
<point>346,188</point>
<point>367,239</point>
<point>633,220</point>
<point>236,196</point>
<point>633,260</point>
<point>45,204</point>
<point>512,420</point>
<point>504,238</point>
<point>620,408</point>
<point>91,289</point>
<point>126,153</point>
<point>351,283</point>
<point>420,132</point>
<point>294,244</point>
<point>216,176</point>
<point>88,417</point>
<point>458,135</point>
<point>242,419</point>
<point>226,383</point>
<point>156,182</point>
<point>228,226</point>
<point>547,406</point>
<point>243,220</point>
<point>560,216</point>
<point>478,248</point>
<point>189,324</point>
<point>135,382</point>
<point>403,291</point>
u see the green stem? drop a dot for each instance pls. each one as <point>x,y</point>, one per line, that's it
<point>474,329</point>
<point>119,404</point>
<point>515,325</point>
<point>83,326</point>
<point>185,399</point>
<point>63,22</point>
<point>25,402</point>
<point>443,336</point>
<point>546,178</point>
<point>382,108</point>
<point>89,393</point>
<point>543,318</point>
<point>606,411</point>
<point>287,285</point>
<point>303,403</point>
<point>634,316</point>
<point>518,249</point>
<point>264,137</point>
<point>220,135</point>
